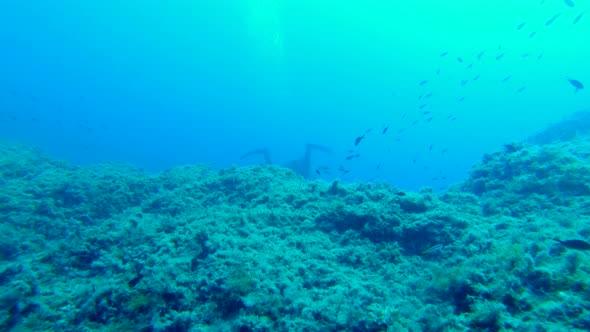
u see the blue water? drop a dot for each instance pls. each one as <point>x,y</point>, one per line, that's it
<point>162,83</point>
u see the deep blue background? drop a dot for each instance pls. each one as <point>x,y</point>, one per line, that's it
<point>165,83</point>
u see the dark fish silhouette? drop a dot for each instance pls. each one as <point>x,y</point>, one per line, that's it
<point>352,156</point>
<point>443,54</point>
<point>521,89</point>
<point>577,19</point>
<point>506,78</point>
<point>423,82</point>
<point>576,84</point>
<point>552,19</point>
<point>385,130</point>
<point>480,54</point>
<point>569,3</point>
<point>460,59</point>
<point>358,140</point>
<point>532,34</point>
<point>500,56</point>
<point>575,244</point>
<point>520,26</point>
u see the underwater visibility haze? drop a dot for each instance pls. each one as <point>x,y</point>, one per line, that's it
<point>279,165</point>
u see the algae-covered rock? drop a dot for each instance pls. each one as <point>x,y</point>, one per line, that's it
<point>110,247</point>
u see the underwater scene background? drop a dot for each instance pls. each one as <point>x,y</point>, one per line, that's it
<point>268,165</point>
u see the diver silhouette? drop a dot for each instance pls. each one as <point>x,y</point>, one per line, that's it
<point>301,166</point>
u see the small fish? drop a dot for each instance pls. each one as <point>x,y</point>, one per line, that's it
<point>461,99</point>
<point>532,34</point>
<point>422,83</point>
<point>426,112</point>
<point>500,56</point>
<point>385,130</point>
<point>520,26</point>
<point>463,82</point>
<point>540,56</point>
<point>552,19</point>
<point>460,59</point>
<point>352,156</point>
<point>443,54</point>
<point>470,66</point>
<point>576,84</point>
<point>521,89</point>
<point>428,95</point>
<point>505,79</point>
<point>434,249</point>
<point>343,170</point>
<point>575,244</point>
<point>430,147</point>
<point>525,55</point>
<point>438,71</point>
<point>569,3</point>
<point>358,140</point>
<point>422,106</point>
<point>429,119</point>
<point>414,123</point>
<point>317,171</point>
<point>577,19</point>
<point>480,54</point>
